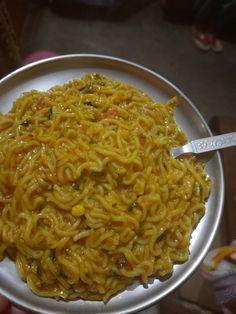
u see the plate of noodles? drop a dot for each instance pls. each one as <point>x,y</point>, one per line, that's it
<point>96,216</point>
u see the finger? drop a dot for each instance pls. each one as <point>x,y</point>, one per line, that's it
<point>15,310</point>
<point>4,305</point>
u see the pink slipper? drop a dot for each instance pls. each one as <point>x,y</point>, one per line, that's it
<point>215,43</point>
<point>201,39</point>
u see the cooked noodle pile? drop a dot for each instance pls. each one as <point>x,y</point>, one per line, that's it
<point>90,198</point>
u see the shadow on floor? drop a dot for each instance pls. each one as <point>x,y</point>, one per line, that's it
<point>120,10</point>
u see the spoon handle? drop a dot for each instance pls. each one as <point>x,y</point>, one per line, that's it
<point>206,144</point>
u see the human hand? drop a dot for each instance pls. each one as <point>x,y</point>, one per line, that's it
<point>7,308</point>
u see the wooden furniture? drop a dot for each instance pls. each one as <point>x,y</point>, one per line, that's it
<point>11,20</point>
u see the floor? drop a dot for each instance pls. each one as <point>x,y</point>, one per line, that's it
<point>143,35</point>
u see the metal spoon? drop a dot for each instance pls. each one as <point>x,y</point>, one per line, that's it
<point>206,144</point>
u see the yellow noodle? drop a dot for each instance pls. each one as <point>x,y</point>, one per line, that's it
<point>90,198</point>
